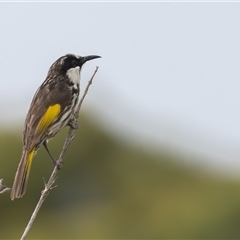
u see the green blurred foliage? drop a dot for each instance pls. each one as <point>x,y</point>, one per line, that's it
<point>109,189</point>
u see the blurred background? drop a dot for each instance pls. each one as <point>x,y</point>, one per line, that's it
<point>157,154</point>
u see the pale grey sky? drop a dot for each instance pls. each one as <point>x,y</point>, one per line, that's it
<point>169,72</point>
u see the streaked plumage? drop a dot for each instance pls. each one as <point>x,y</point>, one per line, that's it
<point>52,107</point>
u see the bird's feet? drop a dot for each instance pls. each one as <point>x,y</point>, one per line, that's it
<point>73,124</point>
<point>58,164</point>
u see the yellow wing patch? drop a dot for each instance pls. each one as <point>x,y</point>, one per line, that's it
<point>48,117</point>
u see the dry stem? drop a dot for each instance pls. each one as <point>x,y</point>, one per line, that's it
<point>3,188</point>
<point>53,177</point>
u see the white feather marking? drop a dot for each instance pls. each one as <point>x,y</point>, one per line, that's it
<point>74,75</point>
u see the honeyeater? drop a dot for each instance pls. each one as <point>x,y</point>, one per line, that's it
<point>52,108</point>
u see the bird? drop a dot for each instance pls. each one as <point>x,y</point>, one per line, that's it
<point>52,108</point>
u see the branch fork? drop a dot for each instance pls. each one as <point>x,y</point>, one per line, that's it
<point>3,188</point>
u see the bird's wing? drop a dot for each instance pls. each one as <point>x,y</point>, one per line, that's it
<point>48,102</point>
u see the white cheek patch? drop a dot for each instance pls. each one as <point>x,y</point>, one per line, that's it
<point>74,74</point>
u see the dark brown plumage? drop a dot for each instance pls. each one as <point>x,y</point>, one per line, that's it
<point>52,108</point>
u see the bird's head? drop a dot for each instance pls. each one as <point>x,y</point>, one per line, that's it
<point>70,65</point>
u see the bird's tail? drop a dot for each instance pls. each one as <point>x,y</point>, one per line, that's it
<point>21,178</point>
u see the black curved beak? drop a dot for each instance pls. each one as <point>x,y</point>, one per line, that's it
<point>88,58</point>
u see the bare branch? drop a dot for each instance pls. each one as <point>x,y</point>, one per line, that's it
<point>3,188</point>
<point>85,92</point>
<point>53,177</point>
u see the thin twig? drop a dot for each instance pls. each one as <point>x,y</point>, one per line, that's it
<point>85,92</point>
<point>3,188</point>
<point>52,179</point>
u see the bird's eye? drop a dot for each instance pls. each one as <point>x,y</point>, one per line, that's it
<point>74,62</point>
